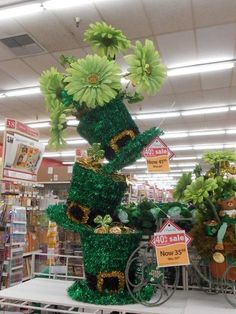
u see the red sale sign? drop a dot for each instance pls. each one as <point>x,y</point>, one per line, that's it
<point>157,148</point>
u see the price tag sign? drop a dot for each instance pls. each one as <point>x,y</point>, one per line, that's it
<point>158,164</point>
<point>171,249</point>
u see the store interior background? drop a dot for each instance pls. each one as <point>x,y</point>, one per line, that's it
<point>186,33</point>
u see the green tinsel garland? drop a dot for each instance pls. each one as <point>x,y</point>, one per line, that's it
<point>79,291</point>
<point>57,213</point>
<point>108,252</point>
<point>100,192</point>
<point>132,151</point>
<point>101,124</point>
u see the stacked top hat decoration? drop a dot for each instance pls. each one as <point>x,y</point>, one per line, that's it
<point>91,90</point>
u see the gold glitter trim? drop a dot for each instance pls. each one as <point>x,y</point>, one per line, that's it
<point>115,274</point>
<point>85,210</point>
<point>115,139</point>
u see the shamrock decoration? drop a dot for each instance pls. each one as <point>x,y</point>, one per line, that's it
<point>103,223</point>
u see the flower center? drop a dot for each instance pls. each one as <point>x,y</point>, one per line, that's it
<point>147,69</point>
<point>93,78</point>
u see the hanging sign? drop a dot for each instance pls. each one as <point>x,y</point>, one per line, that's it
<point>157,155</point>
<point>169,226</point>
<point>158,164</point>
<point>171,249</point>
<point>22,152</point>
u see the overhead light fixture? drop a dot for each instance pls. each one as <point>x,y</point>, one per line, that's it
<point>207,146</point>
<point>204,111</point>
<point>187,170</point>
<point>2,127</point>
<point>76,141</point>
<point>63,4</point>
<point>159,115</point>
<point>175,135</point>
<point>23,91</point>
<point>230,145</point>
<point>179,148</point>
<point>233,108</point>
<point>59,154</point>
<point>72,122</point>
<point>203,133</point>
<point>39,125</point>
<point>186,158</point>
<point>232,131</point>
<point>22,10</point>
<point>200,68</point>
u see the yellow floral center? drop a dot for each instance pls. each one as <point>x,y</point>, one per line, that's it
<point>93,78</point>
<point>147,69</point>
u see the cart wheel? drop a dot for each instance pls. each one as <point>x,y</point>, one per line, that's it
<point>144,278</point>
<point>229,284</point>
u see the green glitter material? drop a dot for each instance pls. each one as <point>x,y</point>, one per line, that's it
<point>103,123</point>
<point>100,192</point>
<point>57,213</point>
<point>108,252</point>
<point>132,151</point>
<point>79,291</point>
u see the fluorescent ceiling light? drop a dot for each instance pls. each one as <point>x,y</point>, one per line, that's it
<point>53,154</point>
<point>67,154</point>
<point>204,111</point>
<point>72,122</point>
<point>39,125</point>
<point>23,91</point>
<point>231,131</point>
<point>179,148</point>
<point>157,115</point>
<point>200,68</point>
<point>63,4</point>
<point>207,146</point>
<point>2,95</point>
<point>22,10</point>
<point>2,127</point>
<point>233,108</point>
<point>59,154</point>
<point>186,158</point>
<point>187,170</point>
<point>175,135</point>
<point>230,145</point>
<point>206,133</point>
<point>76,141</point>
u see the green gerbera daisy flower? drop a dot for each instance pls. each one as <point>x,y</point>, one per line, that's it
<point>145,69</point>
<point>93,80</point>
<point>106,40</point>
<point>51,85</point>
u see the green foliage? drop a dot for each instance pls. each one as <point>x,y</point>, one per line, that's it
<point>146,71</point>
<point>51,85</point>
<point>66,60</point>
<point>95,152</point>
<point>106,40</point>
<point>182,184</point>
<point>93,80</point>
<point>214,157</point>
<point>197,171</point>
<point>199,190</point>
<point>226,188</point>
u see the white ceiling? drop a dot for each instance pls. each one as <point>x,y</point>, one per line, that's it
<point>185,32</point>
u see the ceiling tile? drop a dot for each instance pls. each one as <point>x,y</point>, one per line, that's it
<point>185,83</point>
<point>79,53</point>
<point>189,100</point>
<point>208,12</point>
<point>167,16</point>
<point>7,81</point>
<point>216,43</point>
<point>20,72</point>
<point>166,88</point>
<point>127,15</point>
<point>48,31</point>
<point>216,79</point>
<point>177,49</point>
<point>219,96</point>
<point>87,14</point>
<point>5,53</point>
<point>42,62</point>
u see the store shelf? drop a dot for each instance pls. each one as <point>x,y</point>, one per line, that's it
<point>17,267</point>
<point>31,253</point>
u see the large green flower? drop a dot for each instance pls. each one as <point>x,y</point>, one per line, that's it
<point>145,69</point>
<point>51,85</point>
<point>199,190</point>
<point>106,40</point>
<point>93,80</point>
